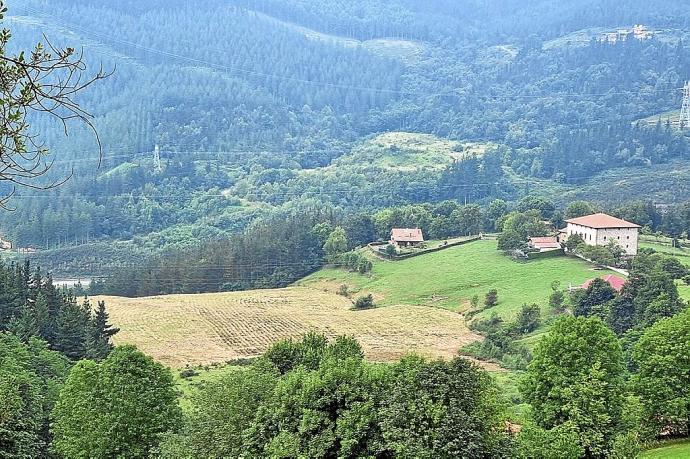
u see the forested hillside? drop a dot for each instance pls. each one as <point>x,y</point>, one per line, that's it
<point>252,103</point>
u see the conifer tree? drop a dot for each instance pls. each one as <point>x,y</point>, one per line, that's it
<point>72,322</point>
<point>98,344</point>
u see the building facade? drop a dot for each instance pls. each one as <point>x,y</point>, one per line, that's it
<point>406,237</point>
<point>601,229</point>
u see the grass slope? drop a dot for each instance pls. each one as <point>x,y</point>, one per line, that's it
<point>407,151</point>
<point>181,330</point>
<point>671,450</point>
<point>450,278</point>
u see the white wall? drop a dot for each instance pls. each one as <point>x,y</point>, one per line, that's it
<point>627,238</point>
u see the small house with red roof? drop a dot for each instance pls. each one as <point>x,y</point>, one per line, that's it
<point>406,237</point>
<point>600,229</point>
<point>544,244</point>
<point>614,281</point>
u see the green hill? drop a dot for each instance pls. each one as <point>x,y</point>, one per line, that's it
<point>450,278</point>
<point>407,151</point>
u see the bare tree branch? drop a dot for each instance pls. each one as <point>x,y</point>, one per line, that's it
<point>44,82</point>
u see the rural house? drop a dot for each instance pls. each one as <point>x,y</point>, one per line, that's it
<point>406,237</point>
<point>544,244</point>
<point>600,229</point>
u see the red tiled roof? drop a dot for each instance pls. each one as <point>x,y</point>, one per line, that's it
<point>544,243</point>
<point>599,221</point>
<point>614,281</point>
<point>407,235</point>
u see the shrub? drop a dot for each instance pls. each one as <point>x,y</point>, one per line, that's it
<point>355,261</point>
<point>344,290</point>
<point>491,299</point>
<point>188,373</point>
<point>528,319</point>
<point>626,446</point>
<point>364,302</point>
<point>390,250</point>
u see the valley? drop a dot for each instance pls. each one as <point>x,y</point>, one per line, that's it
<point>421,307</point>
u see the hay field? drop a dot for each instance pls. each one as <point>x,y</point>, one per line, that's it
<point>180,330</point>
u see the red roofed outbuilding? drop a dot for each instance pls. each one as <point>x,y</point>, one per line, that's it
<point>614,281</point>
<point>544,244</point>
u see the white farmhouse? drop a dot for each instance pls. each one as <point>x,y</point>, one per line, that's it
<point>601,229</point>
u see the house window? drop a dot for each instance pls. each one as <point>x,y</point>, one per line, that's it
<point>604,237</point>
<point>628,237</point>
<point>619,237</point>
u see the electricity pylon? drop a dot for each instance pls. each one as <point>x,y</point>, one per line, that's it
<point>157,165</point>
<point>685,110</point>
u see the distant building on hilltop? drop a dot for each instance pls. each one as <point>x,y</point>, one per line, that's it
<point>638,32</point>
<point>406,237</point>
<point>600,229</point>
<point>5,245</point>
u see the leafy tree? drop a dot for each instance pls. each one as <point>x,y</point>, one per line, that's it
<point>224,410</point>
<point>328,409</point>
<point>491,298</point>
<point>598,254</point>
<point>561,442</point>
<point>120,407</point>
<point>579,209</point>
<point>30,376</point>
<point>557,297</point>
<point>518,227</point>
<point>336,244</point>
<point>573,242</point>
<point>528,319</point>
<point>576,377</point>
<point>662,356</point>
<point>446,409</point>
<point>538,203</point>
<point>286,355</point>
<point>497,209</point>
<point>590,301</point>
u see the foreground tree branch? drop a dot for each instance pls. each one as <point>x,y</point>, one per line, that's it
<point>46,81</point>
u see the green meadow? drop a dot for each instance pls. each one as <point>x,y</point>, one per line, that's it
<point>670,450</point>
<point>450,278</point>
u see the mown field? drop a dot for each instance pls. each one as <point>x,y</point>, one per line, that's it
<point>418,301</point>
<point>671,450</point>
<point>181,330</point>
<point>450,278</point>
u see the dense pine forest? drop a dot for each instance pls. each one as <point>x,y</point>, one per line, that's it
<point>255,108</point>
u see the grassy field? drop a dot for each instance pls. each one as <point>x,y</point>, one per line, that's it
<point>682,254</point>
<point>406,151</point>
<point>450,278</point>
<point>181,330</point>
<point>670,450</point>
